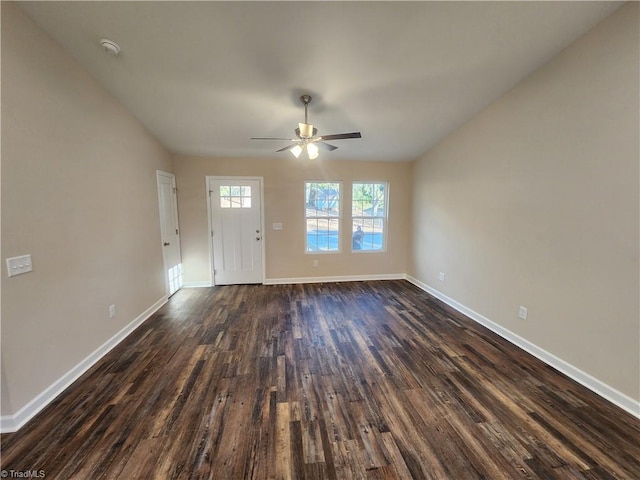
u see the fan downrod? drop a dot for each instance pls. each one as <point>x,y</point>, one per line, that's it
<point>306,99</point>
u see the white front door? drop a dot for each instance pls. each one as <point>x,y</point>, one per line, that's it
<point>170,233</point>
<point>235,205</point>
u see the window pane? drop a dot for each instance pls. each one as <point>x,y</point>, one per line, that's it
<point>379,200</point>
<point>310,199</point>
<point>311,212</point>
<point>358,234</point>
<point>225,202</point>
<point>246,202</point>
<point>245,191</point>
<point>312,237</point>
<point>328,234</point>
<point>374,238</point>
<point>224,191</point>
<point>368,234</point>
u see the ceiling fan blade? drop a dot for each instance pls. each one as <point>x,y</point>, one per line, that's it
<point>326,146</point>
<point>341,136</point>
<point>288,147</point>
<point>273,138</point>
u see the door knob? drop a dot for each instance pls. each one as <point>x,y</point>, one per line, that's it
<point>166,244</point>
<point>258,238</point>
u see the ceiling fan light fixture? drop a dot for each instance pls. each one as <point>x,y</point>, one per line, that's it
<point>306,138</point>
<point>312,151</point>
<point>296,151</point>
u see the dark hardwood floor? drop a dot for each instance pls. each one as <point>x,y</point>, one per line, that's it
<point>373,380</point>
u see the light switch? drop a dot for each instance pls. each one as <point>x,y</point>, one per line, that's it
<point>19,265</point>
<point>277,226</point>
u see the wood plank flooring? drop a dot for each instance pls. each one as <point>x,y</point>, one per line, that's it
<point>363,380</point>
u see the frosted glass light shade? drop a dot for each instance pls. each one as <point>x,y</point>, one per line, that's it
<point>296,151</point>
<point>312,150</point>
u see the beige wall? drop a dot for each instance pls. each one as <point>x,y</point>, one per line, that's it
<point>535,202</point>
<point>78,194</point>
<point>284,203</point>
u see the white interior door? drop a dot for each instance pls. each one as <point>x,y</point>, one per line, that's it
<point>235,205</point>
<point>168,201</point>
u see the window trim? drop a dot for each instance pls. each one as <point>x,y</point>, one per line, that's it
<point>385,218</point>
<point>340,217</point>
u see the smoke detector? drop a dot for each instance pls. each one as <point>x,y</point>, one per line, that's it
<point>111,47</point>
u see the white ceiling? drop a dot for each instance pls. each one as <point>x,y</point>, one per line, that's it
<point>204,77</point>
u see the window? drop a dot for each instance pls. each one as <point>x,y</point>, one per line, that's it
<point>322,216</point>
<point>369,214</point>
<point>235,196</point>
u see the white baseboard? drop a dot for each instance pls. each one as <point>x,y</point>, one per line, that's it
<point>605,391</point>
<point>196,284</point>
<point>12,423</point>
<point>343,278</point>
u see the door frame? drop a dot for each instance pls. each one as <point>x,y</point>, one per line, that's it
<point>161,173</point>
<point>208,180</point>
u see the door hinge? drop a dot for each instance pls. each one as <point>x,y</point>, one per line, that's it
<point>174,190</point>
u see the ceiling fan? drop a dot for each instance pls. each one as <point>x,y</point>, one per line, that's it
<point>306,137</point>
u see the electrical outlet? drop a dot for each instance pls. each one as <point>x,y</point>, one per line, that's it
<point>112,311</point>
<point>441,276</point>
<point>315,263</point>
<point>522,313</point>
